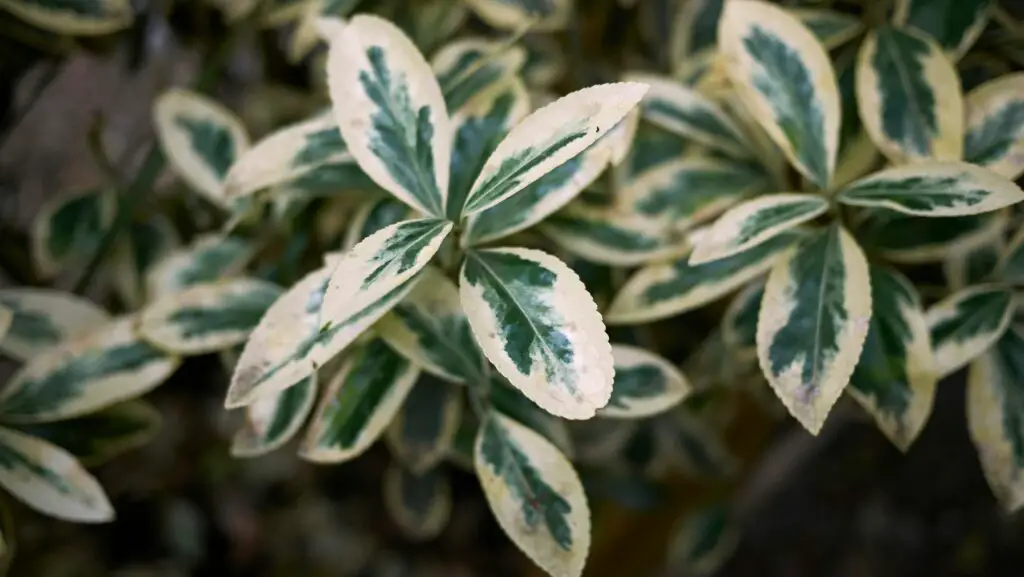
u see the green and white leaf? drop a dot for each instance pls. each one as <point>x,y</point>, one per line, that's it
<point>747,225</point>
<point>420,504</point>
<point>373,215</point>
<point>149,240</point>
<point>994,126</point>
<point>548,138</point>
<point>702,541</point>
<point>694,445</point>
<point>209,317</point>
<point>895,377</point>
<point>538,325</point>
<point>50,480</point>
<point>613,237</point>
<point>831,28</point>
<point>43,318</point>
<point>974,266</point>
<point>512,403</point>
<point>545,15</point>
<point>359,404</point>
<point>467,68</point>
<point>785,78</point>
<point>954,24</point>
<point>645,384</point>
<point>967,323</point>
<point>1010,266</point>
<point>74,17</point>
<point>994,401</point>
<point>422,432</point>
<point>653,147</point>
<point>814,318</point>
<point>694,29</point>
<point>535,495</point>
<point>739,322</point>
<point>687,113</point>
<point>909,97</point>
<point>430,329</point>
<point>273,420</point>
<point>208,258</point>
<point>434,22</point>
<point>104,367</point>
<point>913,239</point>
<point>934,189</point>
<point>391,112</point>
<point>202,140</point>
<point>663,290</point>
<point>70,226</point>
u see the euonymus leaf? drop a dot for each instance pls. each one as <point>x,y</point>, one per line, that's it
<point>909,97</point>
<point>934,189</point>
<point>739,322</point>
<point>663,290</point>
<point>148,241</point>
<point>422,432</point>
<point>430,329</point>
<point>995,417</point>
<point>379,264</point>
<point>371,216</point>
<point>274,419</point>
<point>207,317</point>
<point>101,368</point>
<point>420,504</point>
<point>695,28</point>
<point>695,445</point>
<point>208,258</point>
<point>391,112</point>
<point>1010,265</point>
<point>895,377</point>
<point>535,495</point>
<point>69,226</point>
<point>548,138</point>
<point>645,384</point>
<point>540,15</point>
<point>469,67</point>
<point>814,318</point>
<point>994,128</point>
<point>43,318</point>
<point>783,75</point>
<point>359,403</point>
<point>74,17</point>
<point>914,239</point>
<point>973,266</point>
<point>688,113</point>
<point>955,24</point>
<point>201,139</point>
<point>831,28</point>
<point>702,541</point>
<point>50,480</point>
<point>966,323</point>
<point>653,147</point>
<point>749,224</point>
<point>435,21</point>
<point>538,325</point>
<point>508,401</point>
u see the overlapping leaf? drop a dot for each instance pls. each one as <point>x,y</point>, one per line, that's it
<point>208,258</point>
<point>74,17</point>
<point>469,67</point>
<point>966,323</point>
<point>914,239</point>
<point>645,384</point>
<point>420,504</point>
<point>831,28</point>
<point>70,226</point>
<point>273,420</point>
<point>43,318</point>
<point>994,126</point>
<point>516,14</point>
<point>422,432</point>
<point>954,24</point>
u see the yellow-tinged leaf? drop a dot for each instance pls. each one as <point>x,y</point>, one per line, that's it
<point>420,503</point>
<point>273,420</point>
<point>967,323</point>
<point>994,131</point>
<point>69,226</point>
<point>43,318</point>
<point>645,384</point>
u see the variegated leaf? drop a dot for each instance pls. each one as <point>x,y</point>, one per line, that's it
<point>43,318</point>
<point>645,384</point>
<point>273,420</point>
<point>973,266</point>
<point>201,139</point>
<point>279,12</point>
<point>380,263</point>
<point>148,241</point>
<point>747,225</point>
<point>535,495</point>
<point>293,338</point>
<point>934,189</point>
<point>391,111</point>
<point>914,239</point>
<point>653,147</point>
<point>548,138</point>
<point>967,323</point>
<point>784,77</point>
<point>359,404</point>
<point>373,215</point>
<point>480,126</point>
<point>995,126</point>
<point>694,445</point>
<point>430,329</point>
<point>70,226</point>
<point>611,237</point>
<point>422,432</point>
<point>329,179</point>
<point>689,191</point>
<point>545,15</point>
<point>96,438</point>
<point>814,317</point>
<point>545,60</point>
<point>319,21</point>
<point>739,322</point>
<point>101,368</point>
<point>909,98</point>
<point>831,28</point>
<point>538,325</point>
<point>688,113</point>
<point>954,24</point>
<point>209,257</point>
<point>435,21</point>
<point>208,317</point>
<point>50,480</point>
<point>664,290</point>
<point>419,503</point>
<point>510,402</point>
<point>1010,266</point>
<point>74,17</point>
<point>994,401</point>
<point>469,67</point>
<point>694,29</point>
<point>895,377</point>
<point>702,541</point>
